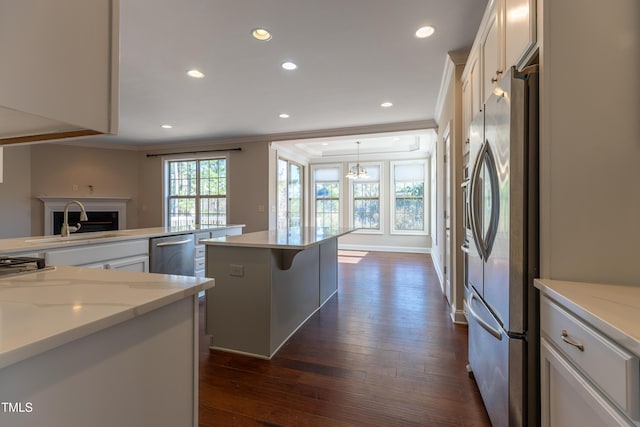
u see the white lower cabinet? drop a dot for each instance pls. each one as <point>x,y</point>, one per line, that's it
<point>130,255</point>
<point>98,266</point>
<point>586,378</point>
<point>199,253</point>
<point>568,398</point>
<point>136,263</point>
<point>200,249</point>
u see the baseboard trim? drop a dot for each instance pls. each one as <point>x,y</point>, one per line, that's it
<point>376,248</point>
<point>436,266</point>
<point>458,316</point>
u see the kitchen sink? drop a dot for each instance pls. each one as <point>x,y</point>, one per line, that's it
<point>74,237</point>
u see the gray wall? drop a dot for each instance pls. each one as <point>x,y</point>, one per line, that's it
<point>52,169</point>
<point>15,193</point>
<point>450,121</point>
<point>57,168</point>
<point>248,184</point>
<point>590,142</point>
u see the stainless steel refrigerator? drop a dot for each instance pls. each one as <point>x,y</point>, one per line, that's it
<point>502,303</point>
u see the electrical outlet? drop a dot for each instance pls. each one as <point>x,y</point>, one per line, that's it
<point>260,208</point>
<point>75,187</point>
<point>236,270</point>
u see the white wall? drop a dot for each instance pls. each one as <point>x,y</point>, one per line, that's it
<point>15,193</point>
<point>590,141</point>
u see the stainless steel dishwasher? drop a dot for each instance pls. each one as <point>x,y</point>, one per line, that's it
<point>172,255</point>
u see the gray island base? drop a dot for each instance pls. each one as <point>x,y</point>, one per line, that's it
<point>268,284</point>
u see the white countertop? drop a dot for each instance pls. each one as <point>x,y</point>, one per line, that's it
<point>286,238</point>
<point>35,243</point>
<point>43,310</point>
<point>612,309</point>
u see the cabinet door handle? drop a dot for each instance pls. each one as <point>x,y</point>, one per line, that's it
<point>565,338</point>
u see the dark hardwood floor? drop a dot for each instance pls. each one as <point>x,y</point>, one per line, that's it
<point>382,352</point>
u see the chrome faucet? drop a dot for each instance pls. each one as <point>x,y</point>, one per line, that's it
<point>66,229</point>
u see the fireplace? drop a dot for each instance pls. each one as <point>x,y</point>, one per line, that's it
<point>103,214</point>
<point>96,221</point>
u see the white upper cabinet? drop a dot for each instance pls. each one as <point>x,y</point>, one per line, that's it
<point>471,103</point>
<point>474,78</point>
<point>520,31</point>
<point>506,38</point>
<point>59,69</point>
<point>491,47</point>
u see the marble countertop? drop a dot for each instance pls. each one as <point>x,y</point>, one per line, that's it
<point>43,310</point>
<point>612,309</point>
<point>35,243</point>
<point>286,238</point>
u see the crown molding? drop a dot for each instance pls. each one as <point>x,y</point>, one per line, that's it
<point>320,133</point>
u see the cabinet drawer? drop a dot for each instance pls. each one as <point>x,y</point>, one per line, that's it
<point>200,251</point>
<point>199,264</point>
<point>610,367</point>
<point>88,254</point>
<point>202,235</point>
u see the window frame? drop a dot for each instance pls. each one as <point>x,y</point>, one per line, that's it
<point>312,190</point>
<point>198,157</point>
<point>303,189</point>
<point>381,199</point>
<point>425,198</point>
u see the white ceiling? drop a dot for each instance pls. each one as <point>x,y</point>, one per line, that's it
<point>352,55</point>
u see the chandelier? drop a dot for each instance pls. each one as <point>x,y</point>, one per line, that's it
<point>357,171</point>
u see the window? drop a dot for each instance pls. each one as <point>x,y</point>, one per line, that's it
<point>408,204</point>
<point>326,190</point>
<point>197,192</point>
<point>290,194</point>
<point>366,195</point>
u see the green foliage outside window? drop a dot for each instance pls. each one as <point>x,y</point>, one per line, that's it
<point>197,192</point>
<point>409,206</point>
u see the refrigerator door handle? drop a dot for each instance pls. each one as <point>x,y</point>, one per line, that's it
<point>487,327</point>
<point>492,230</point>
<point>475,202</point>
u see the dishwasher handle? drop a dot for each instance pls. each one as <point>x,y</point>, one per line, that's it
<point>174,243</point>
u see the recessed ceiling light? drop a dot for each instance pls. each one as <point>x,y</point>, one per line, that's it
<point>386,104</point>
<point>424,32</point>
<point>167,126</point>
<point>325,143</point>
<point>261,34</point>
<point>284,116</point>
<point>289,65</point>
<point>196,74</point>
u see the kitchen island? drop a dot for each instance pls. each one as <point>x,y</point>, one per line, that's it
<point>82,347</point>
<point>268,283</point>
<point>35,244</point>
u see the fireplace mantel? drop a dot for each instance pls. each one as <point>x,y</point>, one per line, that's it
<point>56,204</point>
